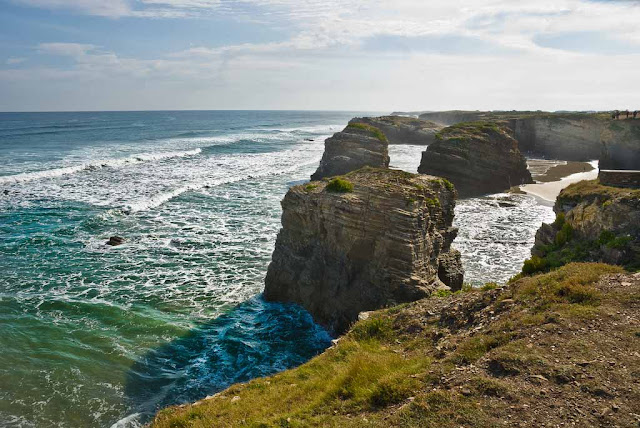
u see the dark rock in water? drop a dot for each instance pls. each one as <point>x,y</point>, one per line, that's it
<point>356,146</point>
<point>115,240</point>
<point>309,139</point>
<point>403,130</point>
<point>6,192</point>
<point>385,242</point>
<point>477,157</point>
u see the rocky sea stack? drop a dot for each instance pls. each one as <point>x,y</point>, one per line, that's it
<point>370,239</point>
<point>403,130</point>
<point>593,223</point>
<point>478,157</point>
<point>358,145</point>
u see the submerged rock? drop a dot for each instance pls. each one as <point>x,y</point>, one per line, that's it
<point>356,146</point>
<point>478,157</point>
<point>403,130</point>
<point>115,240</point>
<point>385,240</point>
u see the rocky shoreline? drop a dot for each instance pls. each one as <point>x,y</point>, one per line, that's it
<point>361,238</point>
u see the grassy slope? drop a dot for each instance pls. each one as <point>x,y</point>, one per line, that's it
<point>559,347</point>
<point>591,189</point>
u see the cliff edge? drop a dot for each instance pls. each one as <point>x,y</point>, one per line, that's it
<point>557,349</point>
<point>363,241</point>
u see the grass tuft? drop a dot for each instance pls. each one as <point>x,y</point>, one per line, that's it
<point>340,185</point>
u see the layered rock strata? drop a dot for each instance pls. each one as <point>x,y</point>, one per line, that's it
<point>356,146</point>
<point>385,242</point>
<point>566,136</point>
<point>403,130</point>
<point>477,157</point>
<point>594,223</point>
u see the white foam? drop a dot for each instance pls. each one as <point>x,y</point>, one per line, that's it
<point>58,172</point>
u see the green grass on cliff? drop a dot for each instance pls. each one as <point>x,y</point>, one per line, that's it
<point>567,248</point>
<point>591,189</point>
<point>372,129</point>
<point>340,185</point>
<point>468,131</point>
<point>471,359</point>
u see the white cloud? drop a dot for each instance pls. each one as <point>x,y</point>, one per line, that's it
<point>15,60</point>
<point>453,54</point>
<point>111,8</point>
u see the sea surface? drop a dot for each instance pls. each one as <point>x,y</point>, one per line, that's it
<point>99,336</point>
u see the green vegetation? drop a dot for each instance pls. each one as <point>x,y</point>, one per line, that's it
<point>311,186</point>
<point>432,202</point>
<point>410,365</point>
<point>449,185</point>
<point>567,247</point>
<point>468,130</point>
<point>590,190</point>
<point>340,185</point>
<point>372,129</point>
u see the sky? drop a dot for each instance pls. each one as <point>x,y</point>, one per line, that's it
<point>367,55</point>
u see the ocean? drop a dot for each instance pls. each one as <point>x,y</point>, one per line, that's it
<point>99,336</point>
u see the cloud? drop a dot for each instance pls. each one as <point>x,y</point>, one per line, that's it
<point>15,60</point>
<point>110,8</point>
<point>412,54</point>
<point>65,49</point>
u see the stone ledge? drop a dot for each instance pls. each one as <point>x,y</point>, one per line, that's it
<point>619,178</point>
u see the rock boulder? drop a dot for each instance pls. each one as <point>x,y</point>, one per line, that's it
<point>386,241</point>
<point>356,146</point>
<point>477,157</point>
<point>403,130</point>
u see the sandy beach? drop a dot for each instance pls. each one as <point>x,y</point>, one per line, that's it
<point>551,179</point>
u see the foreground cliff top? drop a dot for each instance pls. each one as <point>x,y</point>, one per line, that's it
<point>559,349</point>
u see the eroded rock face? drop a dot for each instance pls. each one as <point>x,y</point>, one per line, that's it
<point>403,130</point>
<point>356,146</point>
<point>566,136</point>
<point>594,223</point>
<point>477,157</point>
<point>386,242</point>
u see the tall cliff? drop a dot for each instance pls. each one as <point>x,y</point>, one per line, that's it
<point>403,130</point>
<point>478,157</point>
<point>373,238</point>
<point>593,223</point>
<point>566,136</point>
<point>358,145</point>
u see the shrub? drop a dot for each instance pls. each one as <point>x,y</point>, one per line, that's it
<point>442,293</point>
<point>534,264</point>
<point>310,186</point>
<point>564,234</point>
<point>559,222</point>
<point>340,185</point>
<point>619,243</point>
<point>432,202</point>
<point>448,184</point>
<point>490,286</point>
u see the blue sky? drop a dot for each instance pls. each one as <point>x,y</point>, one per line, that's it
<point>307,54</point>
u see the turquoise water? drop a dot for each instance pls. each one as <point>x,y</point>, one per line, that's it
<point>91,335</point>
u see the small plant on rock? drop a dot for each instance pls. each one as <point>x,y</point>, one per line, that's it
<point>340,185</point>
